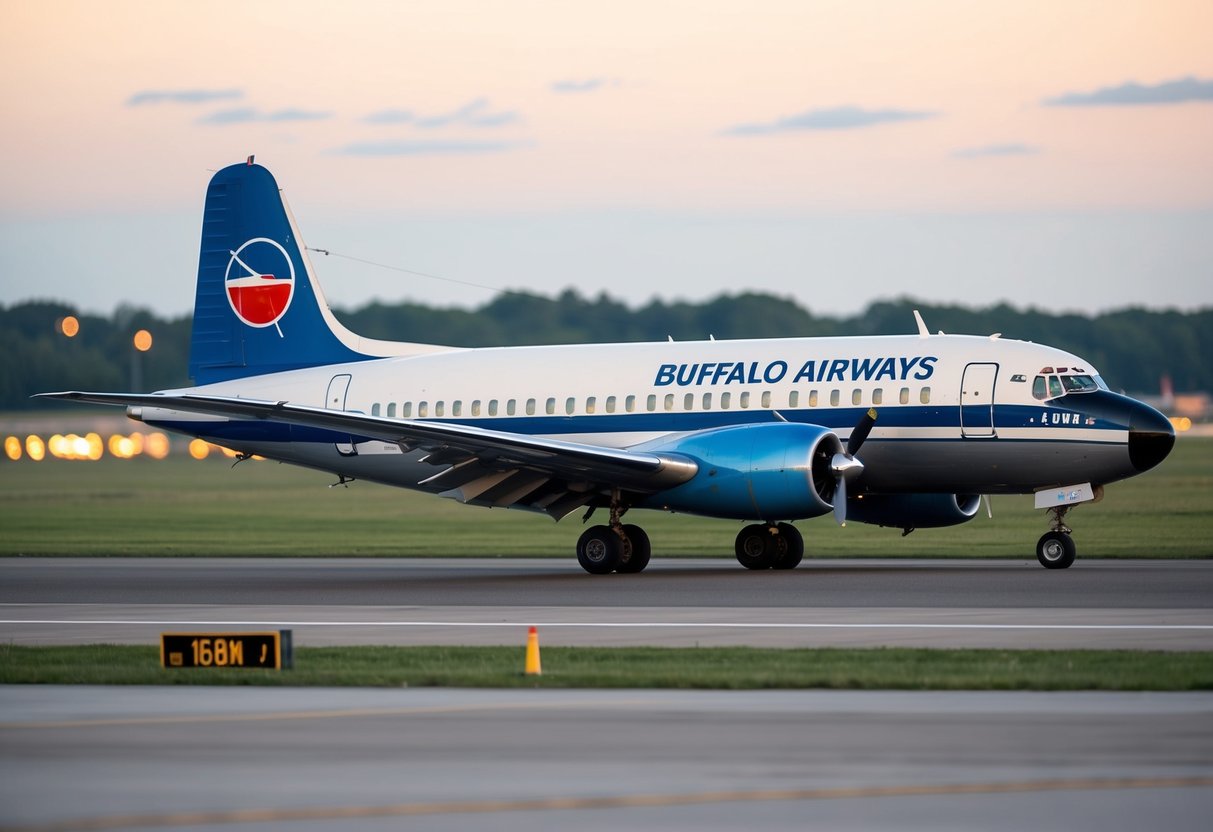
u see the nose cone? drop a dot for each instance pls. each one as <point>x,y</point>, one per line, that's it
<point>1151,436</point>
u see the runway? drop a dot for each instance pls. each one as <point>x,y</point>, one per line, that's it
<point>268,759</point>
<point>945,603</point>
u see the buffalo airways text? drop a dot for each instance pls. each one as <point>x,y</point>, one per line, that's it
<point>892,368</point>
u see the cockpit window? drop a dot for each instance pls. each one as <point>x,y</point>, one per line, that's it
<point>1079,384</point>
<point>1052,386</point>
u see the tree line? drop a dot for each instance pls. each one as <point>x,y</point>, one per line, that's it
<point>1132,347</point>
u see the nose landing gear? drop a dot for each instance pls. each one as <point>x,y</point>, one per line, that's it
<point>1055,549</point>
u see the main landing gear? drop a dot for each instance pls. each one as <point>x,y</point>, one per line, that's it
<point>1055,549</point>
<point>769,546</point>
<point>617,547</point>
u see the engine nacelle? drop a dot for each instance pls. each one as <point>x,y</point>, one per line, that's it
<point>775,471</point>
<point>913,511</point>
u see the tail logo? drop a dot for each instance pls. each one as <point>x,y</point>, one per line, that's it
<point>260,282</point>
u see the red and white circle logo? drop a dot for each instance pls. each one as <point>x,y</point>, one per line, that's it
<point>260,282</point>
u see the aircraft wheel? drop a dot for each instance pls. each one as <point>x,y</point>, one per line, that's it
<point>792,552</point>
<point>599,550</point>
<point>1055,550</point>
<point>756,547</point>
<point>641,550</point>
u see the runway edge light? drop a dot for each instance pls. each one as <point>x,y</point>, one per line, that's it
<point>533,667</point>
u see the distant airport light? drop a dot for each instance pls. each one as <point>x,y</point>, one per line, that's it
<point>68,326</point>
<point>1181,423</point>
<point>35,448</point>
<point>137,443</point>
<point>94,447</point>
<point>200,449</point>
<point>12,448</point>
<point>155,445</point>
<point>143,340</point>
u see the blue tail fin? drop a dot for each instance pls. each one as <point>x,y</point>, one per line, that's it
<point>258,307</point>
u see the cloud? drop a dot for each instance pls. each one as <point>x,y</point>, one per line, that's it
<point>586,85</point>
<point>472,114</point>
<point>250,115</point>
<point>1131,93</point>
<point>428,147</point>
<point>1009,149</point>
<point>837,118</point>
<point>390,117</point>
<point>146,97</point>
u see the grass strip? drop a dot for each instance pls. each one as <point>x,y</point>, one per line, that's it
<point>723,668</point>
<point>188,507</point>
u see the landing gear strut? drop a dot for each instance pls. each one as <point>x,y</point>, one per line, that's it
<point>769,546</point>
<point>1055,549</point>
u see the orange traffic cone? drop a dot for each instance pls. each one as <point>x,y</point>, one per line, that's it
<point>532,653</point>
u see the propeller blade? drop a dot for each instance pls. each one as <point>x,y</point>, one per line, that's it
<point>861,431</point>
<point>840,501</point>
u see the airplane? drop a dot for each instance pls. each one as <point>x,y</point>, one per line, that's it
<point>763,431</point>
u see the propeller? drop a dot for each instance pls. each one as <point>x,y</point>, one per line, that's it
<point>845,466</point>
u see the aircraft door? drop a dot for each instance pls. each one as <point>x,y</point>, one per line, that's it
<point>977,401</point>
<point>334,399</point>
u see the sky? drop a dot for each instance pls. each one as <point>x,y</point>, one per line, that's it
<point>1056,155</point>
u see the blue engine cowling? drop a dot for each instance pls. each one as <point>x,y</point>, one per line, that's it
<point>913,511</point>
<point>776,471</point>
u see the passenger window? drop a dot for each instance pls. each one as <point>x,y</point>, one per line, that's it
<point>652,403</point>
<point>406,410</point>
<point>438,408</point>
<point>423,409</point>
<point>812,398</point>
<point>766,398</point>
<point>510,407</point>
<point>793,398</point>
<point>629,404</point>
<point>856,396</point>
<point>924,395</point>
<point>391,410</point>
<point>688,401</point>
<point>904,395</point>
<point>570,405</point>
<point>669,401</point>
<point>707,401</point>
<point>375,409</point>
<point>475,407</point>
<point>550,407</point>
<point>492,407</point>
<point>878,395</point>
<point>610,404</point>
<point>591,404</point>
<point>457,408</point>
<point>530,407</point>
<point>743,401</point>
<point>725,400</point>
<point>833,398</point>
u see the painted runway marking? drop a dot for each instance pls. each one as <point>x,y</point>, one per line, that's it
<point>639,801</point>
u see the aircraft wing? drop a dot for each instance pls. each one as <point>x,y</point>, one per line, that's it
<point>485,467</point>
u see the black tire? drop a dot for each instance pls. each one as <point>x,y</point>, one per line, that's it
<point>756,547</point>
<point>792,552</point>
<point>638,554</point>
<point>1055,550</point>
<point>599,550</point>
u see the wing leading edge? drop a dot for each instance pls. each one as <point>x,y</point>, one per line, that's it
<point>484,467</point>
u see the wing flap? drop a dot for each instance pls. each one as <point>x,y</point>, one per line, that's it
<point>483,466</point>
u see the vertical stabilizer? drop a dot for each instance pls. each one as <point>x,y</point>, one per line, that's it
<point>258,307</point>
